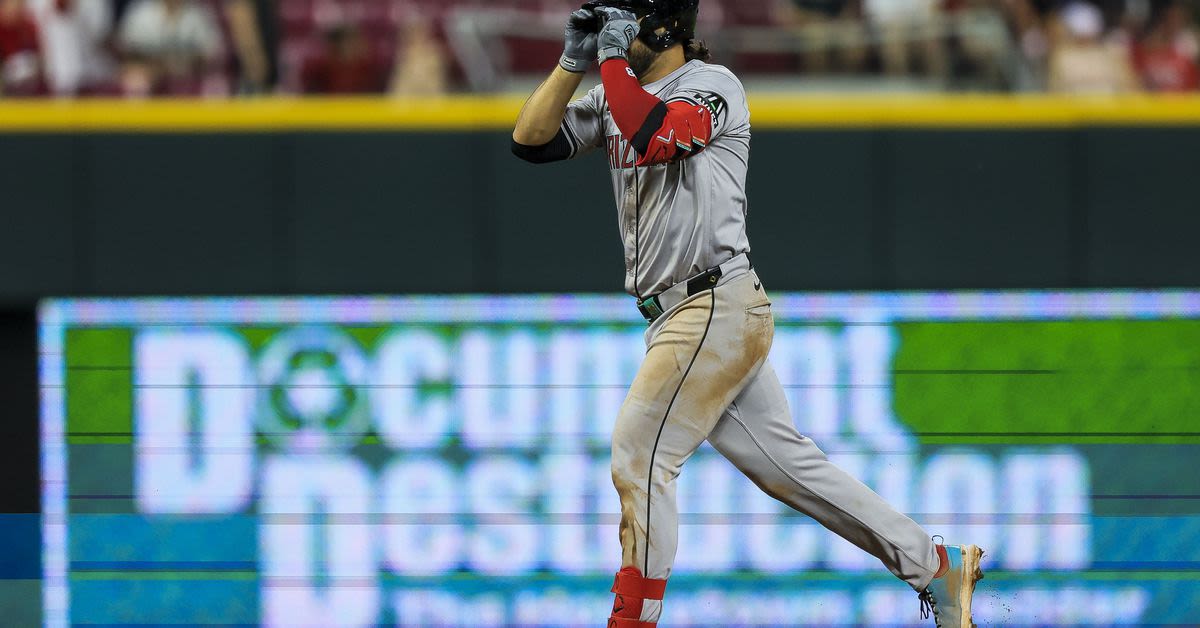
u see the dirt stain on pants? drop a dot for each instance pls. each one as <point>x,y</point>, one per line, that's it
<point>705,377</point>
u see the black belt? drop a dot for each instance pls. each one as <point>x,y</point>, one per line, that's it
<point>652,309</point>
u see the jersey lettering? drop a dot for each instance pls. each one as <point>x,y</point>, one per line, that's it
<point>621,153</point>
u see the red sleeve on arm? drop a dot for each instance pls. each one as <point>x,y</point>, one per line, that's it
<point>631,105</point>
<point>659,132</point>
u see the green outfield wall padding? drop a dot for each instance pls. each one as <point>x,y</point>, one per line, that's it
<point>396,211</point>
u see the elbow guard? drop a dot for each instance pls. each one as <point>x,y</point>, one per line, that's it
<point>556,149</point>
<point>685,130</point>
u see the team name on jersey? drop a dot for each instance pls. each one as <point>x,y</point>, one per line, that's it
<point>620,153</point>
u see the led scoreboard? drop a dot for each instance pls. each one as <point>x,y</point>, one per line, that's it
<point>443,461</point>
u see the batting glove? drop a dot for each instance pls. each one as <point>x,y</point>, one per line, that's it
<point>620,28</point>
<point>581,42</point>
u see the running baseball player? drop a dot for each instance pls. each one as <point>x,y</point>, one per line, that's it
<point>677,133</point>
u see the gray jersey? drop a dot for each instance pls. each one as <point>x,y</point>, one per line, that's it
<point>679,219</point>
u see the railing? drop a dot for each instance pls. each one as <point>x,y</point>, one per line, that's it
<point>477,38</point>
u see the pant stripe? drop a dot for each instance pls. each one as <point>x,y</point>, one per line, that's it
<point>650,473</point>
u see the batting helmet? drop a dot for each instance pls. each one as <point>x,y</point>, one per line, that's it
<point>664,22</point>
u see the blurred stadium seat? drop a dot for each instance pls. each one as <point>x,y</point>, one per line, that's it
<point>991,45</point>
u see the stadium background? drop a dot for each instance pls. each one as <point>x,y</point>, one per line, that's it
<point>1077,380</point>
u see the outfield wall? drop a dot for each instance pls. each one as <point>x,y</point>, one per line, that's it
<point>277,196</point>
<point>281,196</point>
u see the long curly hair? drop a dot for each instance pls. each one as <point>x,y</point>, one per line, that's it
<point>696,49</point>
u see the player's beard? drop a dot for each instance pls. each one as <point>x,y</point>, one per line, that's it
<point>641,57</point>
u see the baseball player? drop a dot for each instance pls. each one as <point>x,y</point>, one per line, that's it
<point>677,133</point>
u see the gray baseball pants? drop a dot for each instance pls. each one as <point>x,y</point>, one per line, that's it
<point>705,377</point>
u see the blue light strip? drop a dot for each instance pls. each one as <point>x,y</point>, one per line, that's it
<point>839,306</point>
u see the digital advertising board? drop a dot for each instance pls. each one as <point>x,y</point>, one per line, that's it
<point>443,461</point>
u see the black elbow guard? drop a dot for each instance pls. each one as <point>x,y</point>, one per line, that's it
<point>556,149</point>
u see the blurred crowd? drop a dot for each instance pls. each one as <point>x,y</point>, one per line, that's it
<point>143,48</point>
<point>1073,46</point>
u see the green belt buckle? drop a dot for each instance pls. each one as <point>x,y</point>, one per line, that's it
<point>650,308</point>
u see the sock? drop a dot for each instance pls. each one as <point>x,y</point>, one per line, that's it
<point>632,590</point>
<point>944,561</point>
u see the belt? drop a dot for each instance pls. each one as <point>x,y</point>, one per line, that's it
<point>653,307</point>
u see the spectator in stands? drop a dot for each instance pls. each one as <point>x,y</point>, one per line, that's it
<point>972,44</point>
<point>1166,57</point>
<point>833,31</point>
<point>168,46</point>
<point>20,51</point>
<point>74,36</point>
<point>421,66</point>
<point>1032,41</point>
<point>254,34</point>
<point>1081,62</point>
<point>904,27</point>
<point>120,7</point>
<point>344,65</point>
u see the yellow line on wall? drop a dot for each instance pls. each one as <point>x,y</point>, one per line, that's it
<point>457,113</point>
<point>772,111</point>
<point>267,114</point>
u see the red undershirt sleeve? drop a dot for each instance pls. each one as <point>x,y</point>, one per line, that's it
<point>658,131</point>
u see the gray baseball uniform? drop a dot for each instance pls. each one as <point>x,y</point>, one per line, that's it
<point>677,220</point>
<point>705,375</point>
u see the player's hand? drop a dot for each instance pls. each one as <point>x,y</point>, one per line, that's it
<point>581,41</point>
<point>617,31</point>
